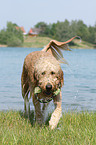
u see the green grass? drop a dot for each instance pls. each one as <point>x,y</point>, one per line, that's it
<point>36,42</point>
<point>82,44</point>
<point>73,129</point>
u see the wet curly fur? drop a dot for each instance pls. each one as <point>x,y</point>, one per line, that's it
<point>42,69</point>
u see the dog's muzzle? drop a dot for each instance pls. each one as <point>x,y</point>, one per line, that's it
<point>48,89</point>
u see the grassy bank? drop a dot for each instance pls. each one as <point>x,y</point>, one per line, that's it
<point>82,44</point>
<point>36,42</point>
<point>73,129</point>
<point>40,42</point>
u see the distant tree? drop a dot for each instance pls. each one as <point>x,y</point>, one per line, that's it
<point>3,38</point>
<point>43,27</point>
<point>63,31</point>
<point>73,27</point>
<point>82,30</point>
<point>40,25</point>
<point>92,37</point>
<point>14,42</point>
<point>11,35</point>
<point>11,30</point>
<point>52,30</point>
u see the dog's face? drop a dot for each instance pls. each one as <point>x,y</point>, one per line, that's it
<point>48,75</point>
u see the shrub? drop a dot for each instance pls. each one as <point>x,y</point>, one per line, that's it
<point>14,42</point>
<point>11,36</point>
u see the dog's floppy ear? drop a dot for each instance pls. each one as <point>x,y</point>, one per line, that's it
<point>54,48</point>
<point>35,76</point>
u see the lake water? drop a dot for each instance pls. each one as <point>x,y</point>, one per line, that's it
<point>78,92</point>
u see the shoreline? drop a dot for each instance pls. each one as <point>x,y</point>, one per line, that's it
<point>71,47</point>
<point>1,45</point>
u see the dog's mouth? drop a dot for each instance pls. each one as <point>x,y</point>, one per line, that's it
<point>48,92</point>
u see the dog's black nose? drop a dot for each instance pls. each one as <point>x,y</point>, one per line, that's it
<point>48,87</point>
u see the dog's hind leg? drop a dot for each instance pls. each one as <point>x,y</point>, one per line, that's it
<point>26,106</point>
<point>25,91</point>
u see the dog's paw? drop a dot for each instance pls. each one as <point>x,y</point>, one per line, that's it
<point>52,125</point>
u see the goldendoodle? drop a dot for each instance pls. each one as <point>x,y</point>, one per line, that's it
<point>42,78</point>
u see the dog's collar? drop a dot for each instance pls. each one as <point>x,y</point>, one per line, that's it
<point>38,90</point>
<point>43,101</point>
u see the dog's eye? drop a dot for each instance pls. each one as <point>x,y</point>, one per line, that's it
<point>43,73</point>
<point>52,73</point>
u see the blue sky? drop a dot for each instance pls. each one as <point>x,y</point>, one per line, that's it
<point>29,12</point>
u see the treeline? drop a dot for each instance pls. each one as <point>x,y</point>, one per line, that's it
<point>60,31</point>
<point>63,31</point>
<point>11,36</point>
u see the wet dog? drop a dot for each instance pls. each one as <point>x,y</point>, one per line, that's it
<point>42,71</point>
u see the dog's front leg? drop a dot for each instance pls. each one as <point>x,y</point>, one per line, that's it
<point>38,112</point>
<point>44,111</point>
<point>57,112</point>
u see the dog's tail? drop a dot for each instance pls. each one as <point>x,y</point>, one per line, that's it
<point>55,47</point>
